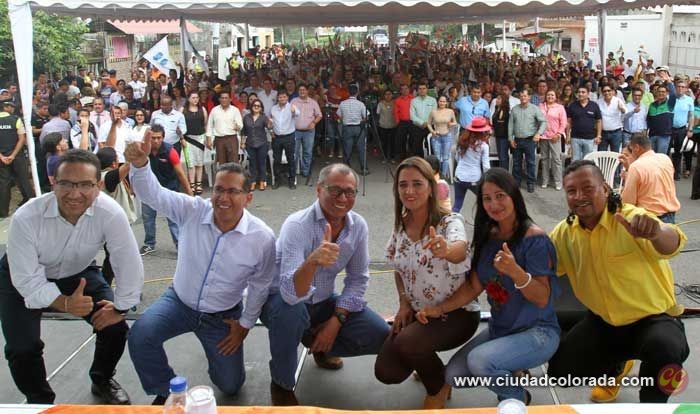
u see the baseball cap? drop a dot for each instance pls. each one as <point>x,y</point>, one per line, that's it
<point>8,102</point>
<point>88,100</point>
<point>4,91</point>
<point>664,68</point>
<point>650,72</point>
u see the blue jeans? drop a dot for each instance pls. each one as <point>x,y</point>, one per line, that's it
<point>149,226</point>
<point>524,147</point>
<point>257,164</point>
<point>626,137</point>
<point>660,143</point>
<point>441,148</point>
<point>611,140</point>
<point>354,136</point>
<point>484,356</point>
<point>460,191</point>
<point>363,333</point>
<point>669,218</point>
<point>581,147</point>
<point>503,148</point>
<point>167,318</point>
<point>304,146</point>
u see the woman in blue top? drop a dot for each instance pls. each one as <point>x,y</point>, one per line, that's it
<point>514,262</point>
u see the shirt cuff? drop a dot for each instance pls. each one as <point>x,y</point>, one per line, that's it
<point>246,321</point>
<point>44,297</point>
<point>350,303</point>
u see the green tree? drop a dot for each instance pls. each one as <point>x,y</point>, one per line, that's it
<point>57,42</point>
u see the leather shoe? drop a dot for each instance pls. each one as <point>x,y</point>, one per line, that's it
<point>327,362</point>
<point>281,397</point>
<point>111,393</point>
<point>159,400</point>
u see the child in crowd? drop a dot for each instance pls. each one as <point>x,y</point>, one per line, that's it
<point>443,187</point>
<point>54,146</point>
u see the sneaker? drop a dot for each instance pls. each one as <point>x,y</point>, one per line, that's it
<point>609,394</point>
<point>145,249</point>
<point>530,188</point>
<point>544,186</point>
<point>292,186</point>
<point>557,187</point>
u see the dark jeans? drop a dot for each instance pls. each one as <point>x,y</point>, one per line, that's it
<point>503,148</point>
<point>695,188</point>
<point>355,137</point>
<point>526,147</point>
<point>22,330</point>
<point>386,138</point>
<point>611,141</point>
<point>594,348</point>
<point>284,143</point>
<point>417,137</point>
<point>41,167</point>
<point>460,191</point>
<point>402,139</point>
<point>677,137</point>
<point>669,218</point>
<point>415,348</point>
<point>18,171</point>
<point>257,165</point>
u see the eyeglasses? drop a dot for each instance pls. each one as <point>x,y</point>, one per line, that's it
<point>228,191</point>
<point>256,106</point>
<point>82,186</point>
<point>336,191</point>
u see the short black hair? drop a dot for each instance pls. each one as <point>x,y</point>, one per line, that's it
<point>353,89</point>
<point>158,128</point>
<point>78,156</point>
<point>434,163</point>
<point>55,109</point>
<point>50,143</point>
<point>107,156</point>
<point>236,168</point>
<point>576,165</point>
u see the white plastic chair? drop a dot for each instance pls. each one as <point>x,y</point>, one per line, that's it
<point>427,148</point>
<point>607,161</point>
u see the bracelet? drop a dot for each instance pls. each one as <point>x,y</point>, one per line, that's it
<point>529,279</point>
<point>65,304</point>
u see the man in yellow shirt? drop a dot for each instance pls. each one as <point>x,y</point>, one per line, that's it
<point>616,257</point>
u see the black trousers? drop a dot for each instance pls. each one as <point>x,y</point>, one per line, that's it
<point>402,139</point>
<point>418,135</point>
<point>386,140</point>
<point>284,143</point>
<point>17,171</point>
<point>22,330</point>
<point>677,137</point>
<point>695,189</point>
<point>593,348</point>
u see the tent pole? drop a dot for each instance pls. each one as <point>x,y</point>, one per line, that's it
<point>504,35</point>
<point>282,34</point>
<point>302,36</point>
<point>247,38</point>
<point>21,25</point>
<point>602,17</point>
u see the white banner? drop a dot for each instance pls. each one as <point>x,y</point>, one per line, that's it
<point>159,56</point>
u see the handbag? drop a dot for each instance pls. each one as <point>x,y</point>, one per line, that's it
<point>122,195</point>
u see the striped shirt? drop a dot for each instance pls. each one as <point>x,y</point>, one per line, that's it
<point>351,111</point>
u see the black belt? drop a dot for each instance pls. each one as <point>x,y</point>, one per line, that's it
<point>347,125</point>
<point>305,130</point>
<point>613,130</point>
<point>683,127</point>
<point>530,137</point>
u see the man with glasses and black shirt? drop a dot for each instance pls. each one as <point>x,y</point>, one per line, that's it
<point>584,125</point>
<point>611,109</point>
<point>635,119</point>
<point>314,246</point>
<point>50,263</point>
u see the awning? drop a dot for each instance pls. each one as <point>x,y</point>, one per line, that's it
<point>152,26</point>
<point>338,13</point>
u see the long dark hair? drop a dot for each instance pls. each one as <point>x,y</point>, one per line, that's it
<point>483,224</point>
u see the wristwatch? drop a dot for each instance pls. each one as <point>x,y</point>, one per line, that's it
<point>121,312</point>
<point>341,317</point>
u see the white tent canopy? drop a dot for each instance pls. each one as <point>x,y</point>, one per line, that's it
<point>289,12</point>
<point>335,13</point>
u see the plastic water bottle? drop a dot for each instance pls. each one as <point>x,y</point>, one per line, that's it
<point>177,400</point>
<point>512,406</point>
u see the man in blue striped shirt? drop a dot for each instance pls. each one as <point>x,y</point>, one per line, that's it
<point>314,246</point>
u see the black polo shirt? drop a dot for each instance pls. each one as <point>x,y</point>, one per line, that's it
<point>583,119</point>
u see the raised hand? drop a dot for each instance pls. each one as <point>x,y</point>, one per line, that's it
<point>436,243</point>
<point>504,262</point>
<point>327,253</point>
<point>77,303</point>
<point>641,226</point>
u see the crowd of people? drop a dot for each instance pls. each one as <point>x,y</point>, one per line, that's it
<point>103,141</point>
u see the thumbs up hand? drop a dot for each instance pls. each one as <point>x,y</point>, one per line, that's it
<point>77,303</point>
<point>436,243</point>
<point>326,254</point>
<point>641,226</point>
<point>504,262</point>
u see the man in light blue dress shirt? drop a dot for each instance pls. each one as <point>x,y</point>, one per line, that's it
<point>225,251</point>
<point>314,246</point>
<point>472,106</point>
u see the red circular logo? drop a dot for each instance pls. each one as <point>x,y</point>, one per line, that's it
<point>672,379</point>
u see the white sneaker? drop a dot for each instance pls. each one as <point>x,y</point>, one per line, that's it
<point>558,187</point>
<point>544,186</point>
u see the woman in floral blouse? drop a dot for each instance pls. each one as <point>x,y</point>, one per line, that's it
<point>514,262</point>
<point>429,251</point>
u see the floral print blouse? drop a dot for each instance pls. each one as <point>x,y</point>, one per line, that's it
<point>429,280</point>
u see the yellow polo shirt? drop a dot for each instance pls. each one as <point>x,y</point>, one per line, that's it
<point>618,277</point>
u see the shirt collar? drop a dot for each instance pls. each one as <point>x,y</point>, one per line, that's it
<point>243,224</point>
<point>605,221</point>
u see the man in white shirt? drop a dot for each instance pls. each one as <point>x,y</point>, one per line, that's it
<point>254,86</point>
<point>283,128</point>
<point>612,109</point>
<point>99,116</point>
<point>223,126</point>
<point>635,119</point>
<point>268,96</point>
<point>115,133</point>
<point>50,262</point>
<point>173,123</point>
<point>138,86</point>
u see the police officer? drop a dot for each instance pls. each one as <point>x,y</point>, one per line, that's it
<point>13,161</point>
